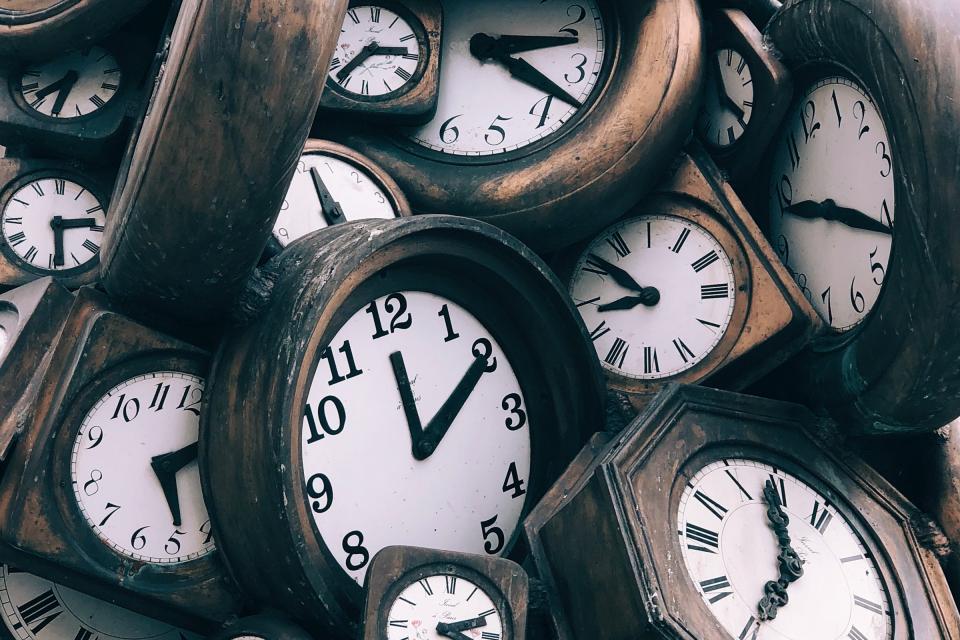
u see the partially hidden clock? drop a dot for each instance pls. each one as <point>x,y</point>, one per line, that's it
<point>243,139</point>
<point>101,491</point>
<point>333,184</point>
<point>387,61</point>
<point>399,407</point>
<point>263,626</point>
<point>685,288</point>
<point>746,93</point>
<point>862,180</point>
<point>545,111</point>
<point>716,516</point>
<point>31,318</point>
<point>427,593</point>
<point>52,219</point>
<point>41,28</point>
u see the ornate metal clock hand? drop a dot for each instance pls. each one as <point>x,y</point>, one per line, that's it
<point>463,625</point>
<point>829,210</point>
<point>485,46</point>
<point>791,565</point>
<point>649,298</point>
<point>722,95</point>
<point>165,467</point>
<point>331,209</point>
<point>372,49</point>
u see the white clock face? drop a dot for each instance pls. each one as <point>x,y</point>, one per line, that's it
<point>377,52</point>
<point>484,110</point>
<point>656,293</point>
<point>353,195</point>
<point>54,224</point>
<point>75,84</point>
<point>9,320</point>
<point>728,98</point>
<point>832,200</point>
<point>37,609</point>
<point>412,352</point>
<point>134,469</point>
<point>443,599</point>
<point>730,551</point>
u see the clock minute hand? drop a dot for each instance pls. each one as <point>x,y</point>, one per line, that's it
<point>829,210</point>
<point>69,81</point>
<point>649,298</point>
<point>485,46</point>
<point>526,72</point>
<point>358,59</point>
<point>723,96</point>
<point>463,625</point>
<point>790,563</point>
<point>330,208</point>
<point>620,276</point>
<point>166,467</point>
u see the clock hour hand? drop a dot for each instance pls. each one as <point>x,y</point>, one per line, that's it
<point>463,625</point>
<point>70,80</point>
<point>649,298</point>
<point>624,279</point>
<point>58,224</point>
<point>722,95</point>
<point>790,563</point>
<point>829,210</point>
<point>372,49</point>
<point>331,209</point>
<point>485,47</point>
<point>166,467</point>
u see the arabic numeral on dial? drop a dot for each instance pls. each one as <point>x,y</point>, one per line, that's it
<point>191,398</point>
<point>397,305</point>
<point>331,358</point>
<point>91,486</point>
<point>357,555</point>
<point>578,14</point>
<point>785,193</point>
<point>448,323</point>
<point>159,397</point>
<point>881,148</point>
<point>499,135</point>
<point>856,298</point>
<point>207,529</point>
<point>544,112</point>
<point>579,67</point>
<point>138,541</point>
<point>864,128</point>
<point>448,134</point>
<point>513,482</point>
<point>885,214</point>
<point>95,436</point>
<point>322,416</point>
<point>512,402</point>
<point>172,547</point>
<point>811,130</point>
<point>876,266</point>
<point>483,349</point>
<point>111,509</point>
<point>324,493</point>
<point>825,296</point>
<point>130,408</point>
<point>488,529</point>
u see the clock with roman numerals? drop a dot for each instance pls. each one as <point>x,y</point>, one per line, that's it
<point>436,595</point>
<point>717,516</point>
<point>476,414</point>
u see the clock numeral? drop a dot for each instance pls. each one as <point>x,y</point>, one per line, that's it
<point>856,298</point>
<point>872,607</point>
<point>43,610</point>
<point>856,634</point>
<point>825,296</point>
<point>322,416</point>
<point>864,127</point>
<point>716,584</point>
<point>364,87</point>
<point>352,14</point>
<point>618,244</point>
<point>488,529</point>
<point>172,546</point>
<point>752,625</point>
<point>836,107</point>
<point>325,492</point>
<point>402,624</point>
<point>91,246</point>
<point>513,482</point>
<point>595,267</point>
<point>590,301</point>
<point>705,261</point>
<point>38,189</point>
<point>885,214</point>
<point>499,132</point>
<point>451,584</point>
<point>335,63</point>
<point>17,238</point>
<point>448,134</point>
<point>821,523</point>
<point>60,186</point>
<point>739,486</point>
<point>403,73</point>
<point>130,408</point>
<point>397,322</point>
<point>793,151</point>
<point>374,14</point>
<point>741,66</point>
<point>109,86</point>
<point>601,330</point>
<point>580,17</point>
<point>580,67</point>
<point>876,266</point>
<point>703,536</point>
<point>111,509</point>
<point>19,221</point>
<point>195,395</point>
<point>483,349</point>
<point>618,353</point>
<point>707,323</point>
<point>358,556</point>
<point>683,350</point>
<point>650,361</point>
<point>93,210</point>
<point>714,291</point>
<point>138,541</point>
<point>95,436</point>
<point>411,56</point>
<point>515,411</point>
<point>445,314</point>
<point>881,148</point>
<point>97,101</point>
<point>678,245</point>
<point>30,254</point>
<point>159,397</point>
<point>83,634</point>
<point>779,488</point>
<point>352,372</point>
<point>207,528</point>
<point>489,635</point>
<point>30,88</point>
<point>425,585</point>
<point>407,37</point>
<point>712,505</point>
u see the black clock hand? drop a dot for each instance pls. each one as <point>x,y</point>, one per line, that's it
<point>69,81</point>
<point>623,278</point>
<point>790,563</point>
<point>453,635</point>
<point>409,403</point>
<point>649,298</point>
<point>722,95</point>
<point>525,72</point>
<point>463,625</point>
<point>55,86</point>
<point>485,47</point>
<point>372,49</point>
<point>165,467</point>
<point>57,225</point>
<point>331,209</point>
<point>829,210</point>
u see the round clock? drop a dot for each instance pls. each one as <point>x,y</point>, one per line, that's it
<point>52,223</point>
<point>71,86</point>
<point>476,412</point>
<point>333,185</point>
<point>264,626</point>
<point>381,52</point>
<point>861,179</point>
<point>36,609</point>
<point>530,97</point>
<point>728,99</point>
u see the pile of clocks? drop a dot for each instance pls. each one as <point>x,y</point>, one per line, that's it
<point>436,319</point>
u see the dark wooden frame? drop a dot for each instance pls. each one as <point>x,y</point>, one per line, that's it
<point>40,28</point>
<point>41,307</point>
<point>395,568</point>
<point>386,183</point>
<point>772,91</point>
<point>168,215</point>
<point>897,371</point>
<point>418,101</point>
<point>644,107</point>
<point>262,374</point>
<point>42,519</point>
<point>619,522</point>
<point>14,173</point>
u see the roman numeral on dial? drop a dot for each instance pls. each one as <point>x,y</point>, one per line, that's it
<point>712,505</point>
<point>617,353</point>
<point>683,350</point>
<point>823,521</point>
<point>716,584</point>
<point>703,536</point>
<point>705,261</point>
<point>711,291</point>
<point>618,244</point>
<point>650,361</point>
<point>601,330</point>
<point>43,610</point>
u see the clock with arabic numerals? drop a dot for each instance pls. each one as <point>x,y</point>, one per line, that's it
<point>545,110</point>
<point>861,174</point>
<point>685,288</point>
<point>105,476</point>
<point>387,62</point>
<point>476,412</point>
<point>719,516</point>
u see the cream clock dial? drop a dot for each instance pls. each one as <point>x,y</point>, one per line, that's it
<point>462,485</point>
<point>730,552</point>
<point>728,99</point>
<point>134,469</point>
<point>74,85</point>
<point>444,602</point>
<point>9,319</point>
<point>657,293</point>
<point>36,609</point>
<point>500,93</point>
<point>832,200</point>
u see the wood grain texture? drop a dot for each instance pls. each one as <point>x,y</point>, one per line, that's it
<point>898,373</point>
<point>197,196</point>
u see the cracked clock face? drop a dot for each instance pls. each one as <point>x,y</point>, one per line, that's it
<point>74,85</point>
<point>134,469</point>
<point>730,551</point>
<point>445,448</point>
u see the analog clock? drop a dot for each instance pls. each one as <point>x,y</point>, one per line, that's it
<point>332,185</point>
<point>464,391</point>
<point>73,85</point>
<point>37,609</point>
<point>265,626</point>
<point>530,94</point>
<point>728,101</point>
<point>722,517</point>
